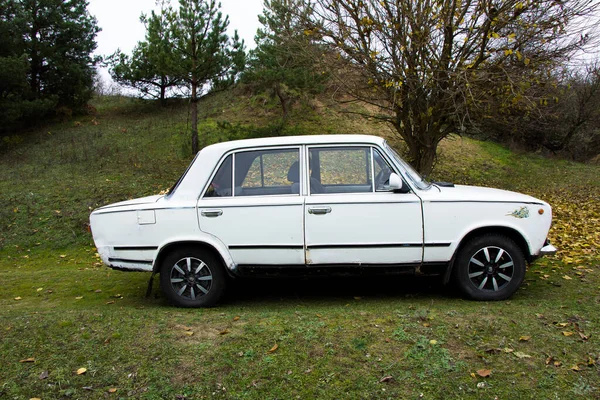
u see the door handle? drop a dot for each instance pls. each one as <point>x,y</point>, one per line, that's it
<point>319,210</point>
<point>211,213</point>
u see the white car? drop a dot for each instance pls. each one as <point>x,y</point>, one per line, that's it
<point>327,204</point>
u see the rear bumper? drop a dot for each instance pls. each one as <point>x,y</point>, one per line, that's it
<point>548,250</point>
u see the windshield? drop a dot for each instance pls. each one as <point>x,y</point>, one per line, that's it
<point>408,170</point>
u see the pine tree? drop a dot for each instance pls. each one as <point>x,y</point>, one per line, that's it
<point>283,63</point>
<point>207,54</point>
<point>153,67</point>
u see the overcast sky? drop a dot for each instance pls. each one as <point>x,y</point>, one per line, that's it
<point>121,26</point>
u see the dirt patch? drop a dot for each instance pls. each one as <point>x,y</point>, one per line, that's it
<point>206,332</point>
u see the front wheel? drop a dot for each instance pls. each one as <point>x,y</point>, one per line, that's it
<point>490,267</point>
<point>190,277</point>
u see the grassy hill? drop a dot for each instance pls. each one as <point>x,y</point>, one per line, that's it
<point>62,308</point>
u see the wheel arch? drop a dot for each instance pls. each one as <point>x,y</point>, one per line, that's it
<point>167,248</point>
<point>511,233</point>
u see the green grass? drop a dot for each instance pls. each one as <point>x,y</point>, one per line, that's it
<point>274,339</point>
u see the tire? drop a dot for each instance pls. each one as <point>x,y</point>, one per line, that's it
<point>490,267</point>
<point>191,277</point>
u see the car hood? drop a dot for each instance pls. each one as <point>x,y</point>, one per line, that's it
<point>132,202</point>
<point>483,194</point>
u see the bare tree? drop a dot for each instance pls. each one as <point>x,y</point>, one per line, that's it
<point>564,111</point>
<point>419,61</point>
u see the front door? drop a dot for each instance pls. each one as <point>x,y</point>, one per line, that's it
<point>350,216</point>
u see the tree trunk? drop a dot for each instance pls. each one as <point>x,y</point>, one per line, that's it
<point>421,155</point>
<point>163,90</point>
<point>284,103</point>
<point>194,116</point>
<point>194,57</point>
<point>423,158</point>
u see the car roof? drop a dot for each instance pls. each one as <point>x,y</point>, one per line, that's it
<point>293,140</point>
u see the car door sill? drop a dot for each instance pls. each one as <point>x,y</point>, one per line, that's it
<point>263,270</point>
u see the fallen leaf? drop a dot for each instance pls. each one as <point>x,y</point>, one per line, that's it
<point>81,371</point>
<point>27,360</point>
<point>521,354</point>
<point>78,297</point>
<point>236,318</point>
<point>112,390</point>
<point>507,350</point>
<point>524,338</point>
<point>63,255</point>
<point>583,336</point>
<point>433,342</point>
<point>318,315</point>
<point>492,350</point>
<point>39,289</point>
<point>426,324</point>
<point>549,359</point>
<point>575,368</point>
<point>562,324</point>
<point>110,302</point>
<point>386,379</point>
<point>557,363</point>
<point>44,375</point>
<point>98,291</point>
<point>567,333</point>
<point>473,375</point>
<point>35,398</point>
<point>567,277</point>
<point>189,333</point>
<point>274,348</point>
<point>591,362</point>
<point>356,297</point>
<point>18,298</point>
<point>484,373</point>
<point>224,332</point>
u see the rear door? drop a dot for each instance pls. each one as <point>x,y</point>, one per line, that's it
<point>351,218</point>
<point>253,206</point>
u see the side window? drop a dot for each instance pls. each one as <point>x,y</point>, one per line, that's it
<point>267,172</point>
<point>220,186</point>
<point>340,170</point>
<point>382,172</point>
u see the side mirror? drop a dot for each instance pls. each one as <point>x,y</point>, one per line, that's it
<point>397,185</point>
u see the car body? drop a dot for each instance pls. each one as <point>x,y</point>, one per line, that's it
<point>323,203</point>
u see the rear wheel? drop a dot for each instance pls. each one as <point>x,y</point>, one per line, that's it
<point>190,277</point>
<point>490,267</point>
